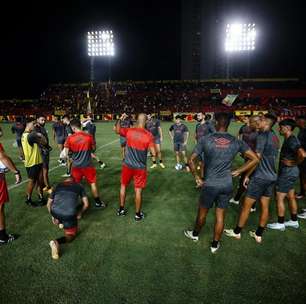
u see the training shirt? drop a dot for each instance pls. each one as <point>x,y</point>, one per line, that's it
<point>32,155</point>
<point>43,131</point>
<point>204,129</point>
<point>178,132</point>
<point>66,198</point>
<point>220,149</point>
<point>138,141</point>
<point>59,129</point>
<point>302,138</point>
<point>248,135</point>
<point>127,123</point>
<point>68,130</point>
<point>90,128</point>
<point>18,129</point>
<point>267,144</point>
<point>289,152</point>
<point>153,126</point>
<point>81,144</point>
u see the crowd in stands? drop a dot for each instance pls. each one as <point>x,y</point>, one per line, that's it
<point>175,96</point>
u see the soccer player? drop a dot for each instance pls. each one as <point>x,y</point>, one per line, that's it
<point>124,124</point>
<point>5,164</point>
<point>220,149</point>
<point>89,127</point>
<point>58,132</point>
<point>82,144</point>
<point>179,135</point>
<point>301,123</point>
<point>44,150</point>
<point>248,133</point>
<point>33,162</point>
<point>68,132</point>
<point>138,142</point>
<point>261,184</point>
<point>63,205</point>
<point>18,128</point>
<point>153,126</point>
<point>291,154</point>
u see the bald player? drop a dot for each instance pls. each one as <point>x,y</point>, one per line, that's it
<point>138,142</point>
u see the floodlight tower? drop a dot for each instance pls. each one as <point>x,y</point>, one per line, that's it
<point>239,38</point>
<point>100,44</point>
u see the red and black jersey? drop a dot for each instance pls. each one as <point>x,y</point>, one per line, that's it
<point>81,144</point>
<point>138,142</point>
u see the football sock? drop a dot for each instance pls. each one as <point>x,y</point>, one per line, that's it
<point>281,219</point>
<point>214,244</point>
<point>195,233</point>
<point>259,231</point>
<point>138,213</point>
<point>237,230</point>
<point>254,206</point>
<point>160,161</point>
<point>3,235</point>
<point>121,208</point>
<point>97,200</point>
<point>294,217</point>
<point>154,162</point>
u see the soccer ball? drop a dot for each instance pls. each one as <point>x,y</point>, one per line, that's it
<point>178,167</point>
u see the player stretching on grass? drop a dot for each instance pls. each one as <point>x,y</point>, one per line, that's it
<point>63,205</point>
<point>138,142</point>
<point>261,183</point>
<point>5,165</point>
<point>81,144</point>
<point>153,126</point>
<point>179,135</point>
<point>220,149</point>
<point>291,154</point>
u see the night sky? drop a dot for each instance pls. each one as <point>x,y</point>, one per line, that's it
<point>46,43</point>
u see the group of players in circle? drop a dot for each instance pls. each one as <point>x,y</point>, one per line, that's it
<point>210,163</point>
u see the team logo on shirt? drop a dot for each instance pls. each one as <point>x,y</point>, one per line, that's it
<point>222,142</point>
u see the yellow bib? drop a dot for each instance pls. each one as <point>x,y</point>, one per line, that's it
<point>32,154</point>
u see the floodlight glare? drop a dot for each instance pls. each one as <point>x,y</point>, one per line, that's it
<point>240,37</point>
<point>100,43</point>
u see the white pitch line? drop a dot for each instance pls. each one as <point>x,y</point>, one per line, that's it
<point>11,187</point>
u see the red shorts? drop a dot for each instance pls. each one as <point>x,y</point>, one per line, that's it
<point>139,176</point>
<point>71,231</point>
<point>4,197</point>
<point>89,173</point>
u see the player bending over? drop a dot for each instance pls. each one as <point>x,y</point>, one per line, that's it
<point>138,142</point>
<point>220,149</point>
<point>63,205</point>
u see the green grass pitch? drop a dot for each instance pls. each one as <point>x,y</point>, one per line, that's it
<point>118,260</point>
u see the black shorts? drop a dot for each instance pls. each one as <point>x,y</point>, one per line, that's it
<point>60,140</point>
<point>34,172</point>
<point>18,141</point>
<point>179,147</point>
<point>286,179</point>
<point>259,187</point>
<point>46,159</point>
<point>219,194</point>
<point>67,221</point>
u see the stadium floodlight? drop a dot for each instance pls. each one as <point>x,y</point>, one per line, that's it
<point>100,43</point>
<point>240,37</point>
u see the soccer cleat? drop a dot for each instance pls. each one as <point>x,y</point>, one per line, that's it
<point>102,166</point>
<point>162,165</point>
<point>231,233</point>
<point>257,238</point>
<point>277,226</point>
<point>101,205</point>
<point>187,169</point>
<point>253,210</point>
<point>304,210</point>
<point>66,175</point>
<point>10,238</point>
<point>29,202</point>
<point>140,217</point>
<point>121,212</point>
<point>299,196</point>
<point>189,235</point>
<point>233,201</point>
<point>292,224</point>
<point>302,215</point>
<point>54,250</point>
<point>153,166</point>
<point>214,249</point>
